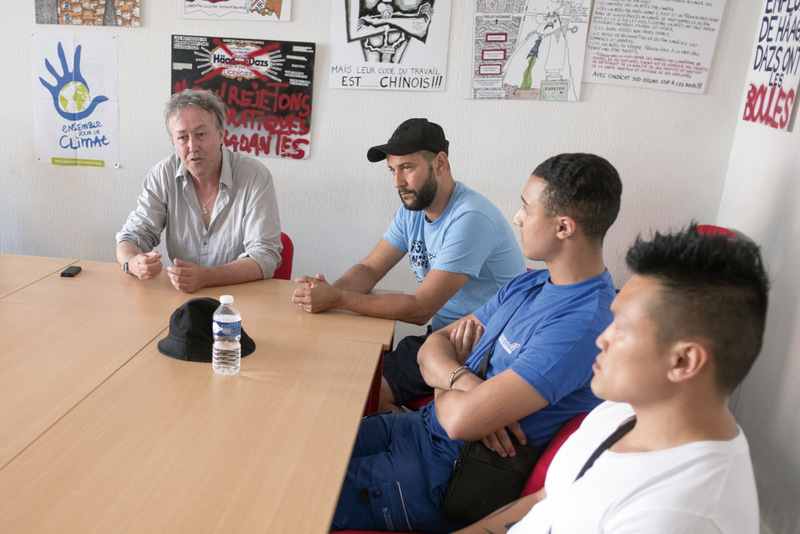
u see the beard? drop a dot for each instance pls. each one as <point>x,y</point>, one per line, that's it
<point>424,196</point>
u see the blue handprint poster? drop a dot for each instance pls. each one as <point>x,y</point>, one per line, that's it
<point>76,116</point>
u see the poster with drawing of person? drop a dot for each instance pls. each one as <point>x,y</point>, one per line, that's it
<point>389,45</point>
<point>529,49</point>
<point>271,10</point>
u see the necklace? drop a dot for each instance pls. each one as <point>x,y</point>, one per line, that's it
<point>205,210</point>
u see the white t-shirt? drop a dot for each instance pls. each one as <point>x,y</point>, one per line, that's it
<point>702,487</point>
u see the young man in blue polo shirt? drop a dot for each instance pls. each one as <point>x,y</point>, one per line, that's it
<point>539,329</point>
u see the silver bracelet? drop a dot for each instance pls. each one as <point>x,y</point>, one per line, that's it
<point>455,372</point>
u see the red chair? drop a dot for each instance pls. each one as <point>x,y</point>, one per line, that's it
<point>284,272</point>
<point>710,229</point>
<point>419,403</point>
<point>536,480</point>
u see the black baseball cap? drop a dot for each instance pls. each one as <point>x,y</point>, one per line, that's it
<point>411,136</point>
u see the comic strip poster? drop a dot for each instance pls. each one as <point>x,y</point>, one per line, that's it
<point>772,82</point>
<point>267,86</point>
<point>88,12</point>
<point>272,10</point>
<point>76,109</point>
<point>653,44</point>
<point>529,49</point>
<point>389,45</point>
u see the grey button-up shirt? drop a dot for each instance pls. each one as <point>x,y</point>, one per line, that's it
<point>244,222</point>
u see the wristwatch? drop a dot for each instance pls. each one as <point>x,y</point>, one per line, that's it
<point>125,265</point>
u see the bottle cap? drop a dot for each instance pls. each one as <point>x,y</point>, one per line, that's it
<point>226,299</point>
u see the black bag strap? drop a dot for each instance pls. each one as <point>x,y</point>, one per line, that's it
<point>480,372</point>
<point>608,443</point>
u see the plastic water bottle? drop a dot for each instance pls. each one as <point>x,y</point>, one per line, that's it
<point>226,355</point>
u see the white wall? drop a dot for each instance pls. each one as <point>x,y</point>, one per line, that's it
<point>672,151</point>
<point>762,199</point>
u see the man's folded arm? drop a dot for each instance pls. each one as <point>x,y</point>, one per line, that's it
<point>490,406</point>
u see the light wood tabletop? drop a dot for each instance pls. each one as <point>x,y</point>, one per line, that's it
<point>17,271</point>
<point>100,432</point>
<point>167,446</point>
<point>103,286</point>
<point>56,357</point>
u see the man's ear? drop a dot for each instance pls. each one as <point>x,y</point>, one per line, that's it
<point>566,227</point>
<point>440,163</point>
<point>689,357</point>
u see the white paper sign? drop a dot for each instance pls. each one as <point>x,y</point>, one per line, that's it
<point>655,44</point>
<point>76,108</point>
<point>274,10</point>
<point>774,74</point>
<point>390,45</point>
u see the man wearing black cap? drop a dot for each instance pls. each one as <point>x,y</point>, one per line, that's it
<point>460,247</point>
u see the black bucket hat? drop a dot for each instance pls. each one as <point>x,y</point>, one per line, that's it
<point>411,136</point>
<point>190,336</point>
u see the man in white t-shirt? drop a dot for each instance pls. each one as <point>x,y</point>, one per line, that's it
<point>687,327</point>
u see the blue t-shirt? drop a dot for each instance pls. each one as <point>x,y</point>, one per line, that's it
<point>546,334</point>
<point>471,237</point>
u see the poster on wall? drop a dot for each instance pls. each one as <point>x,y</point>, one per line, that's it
<point>88,12</point>
<point>273,10</point>
<point>528,49</point>
<point>267,86</point>
<point>75,104</point>
<point>772,82</point>
<point>389,45</point>
<point>653,44</point>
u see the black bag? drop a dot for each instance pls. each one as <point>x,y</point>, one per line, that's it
<point>483,481</point>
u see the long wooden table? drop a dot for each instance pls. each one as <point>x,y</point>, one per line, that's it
<point>20,271</point>
<point>118,437</point>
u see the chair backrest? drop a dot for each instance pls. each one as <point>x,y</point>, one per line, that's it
<point>284,272</point>
<point>536,480</point>
<point>710,229</point>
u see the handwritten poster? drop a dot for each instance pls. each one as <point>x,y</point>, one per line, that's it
<point>390,45</point>
<point>274,10</point>
<point>773,79</point>
<point>267,86</point>
<point>76,109</point>
<point>88,12</point>
<point>529,49</point>
<point>655,44</point>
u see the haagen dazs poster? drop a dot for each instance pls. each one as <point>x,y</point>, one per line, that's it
<point>389,45</point>
<point>267,86</point>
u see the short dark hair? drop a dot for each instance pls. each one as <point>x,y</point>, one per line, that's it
<point>197,98</point>
<point>585,187</point>
<point>712,287</point>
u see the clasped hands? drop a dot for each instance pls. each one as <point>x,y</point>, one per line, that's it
<point>464,339</point>
<point>316,295</point>
<point>186,276</point>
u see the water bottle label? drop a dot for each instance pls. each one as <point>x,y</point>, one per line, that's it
<point>227,329</point>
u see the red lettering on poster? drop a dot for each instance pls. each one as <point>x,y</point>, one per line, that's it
<point>768,105</point>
